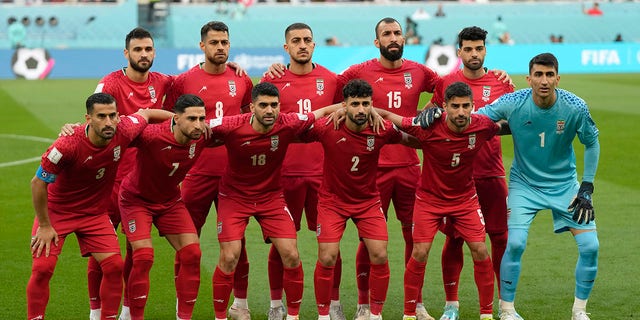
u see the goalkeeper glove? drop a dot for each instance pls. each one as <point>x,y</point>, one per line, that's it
<point>582,206</point>
<point>425,118</point>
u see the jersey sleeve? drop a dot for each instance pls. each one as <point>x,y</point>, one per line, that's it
<point>176,89</point>
<point>438,93</point>
<point>315,132</point>
<point>246,99</point>
<point>587,130</point>
<point>59,155</point>
<point>393,135</point>
<point>431,79</point>
<point>499,109</point>
<point>132,125</point>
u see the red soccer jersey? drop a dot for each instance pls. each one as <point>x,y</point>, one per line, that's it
<point>161,164</point>
<point>448,158</point>
<point>488,163</point>
<point>85,172</point>
<point>223,95</point>
<point>351,160</point>
<point>255,159</point>
<point>131,96</point>
<point>304,94</point>
<point>397,90</point>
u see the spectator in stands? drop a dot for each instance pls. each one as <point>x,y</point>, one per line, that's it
<point>618,38</point>
<point>411,33</point>
<point>560,38</point>
<point>553,38</point>
<point>499,29</point>
<point>26,21</point>
<point>440,13</point>
<point>332,41</point>
<point>420,14</point>
<point>53,22</point>
<point>594,10</point>
<point>506,38</point>
<point>16,33</point>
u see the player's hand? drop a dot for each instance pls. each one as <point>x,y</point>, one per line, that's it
<point>376,121</point>
<point>239,71</point>
<point>276,70</point>
<point>67,129</point>
<point>425,118</point>
<point>504,76</point>
<point>582,206</point>
<point>335,118</point>
<point>42,240</point>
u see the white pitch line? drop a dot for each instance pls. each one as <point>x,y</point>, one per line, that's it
<point>21,137</point>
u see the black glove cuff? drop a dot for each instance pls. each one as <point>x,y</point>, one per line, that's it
<point>586,187</point>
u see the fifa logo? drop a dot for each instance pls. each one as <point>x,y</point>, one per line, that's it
<point>233,90</point>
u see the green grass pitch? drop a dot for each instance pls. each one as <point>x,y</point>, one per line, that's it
<point>39,108</point>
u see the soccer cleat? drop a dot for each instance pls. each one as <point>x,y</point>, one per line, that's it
<point>290,317</point>
<point>239,313</point>
<point>125,314</point>
<point>580,315</point>
<point>375,317</point>
<point>510,315</point>
<point>450,313</point>
<point>94,314</point>
<point>363,312</point>
<point>405,317</point>
<point>336,313</point>
<point>276,313</point>
<point>422,314</point>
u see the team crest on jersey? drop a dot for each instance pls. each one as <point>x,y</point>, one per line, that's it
<point>116,154</point>
<point>233,90</point>
<point>152,94</point>
<point>408,81</point>
<point>486,93</point>
<point>371,142</point>
<point>472,141</point>
<point>275,141</point>
<point>132,226</point>
<point>219,227</point>
<point>319,87</point>
<point>560,127</point>
<point>192,151</point>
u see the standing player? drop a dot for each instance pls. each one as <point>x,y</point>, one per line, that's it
<point>544,121</point>
<point>150,194</point>
<point>305,86</point>
<point>224,94</point>
<point>71,195</point>
<point>250,187</point>
<point>488,170</point>
<point>447,191</point>
<point>133,87</point>
<point>349,191</point>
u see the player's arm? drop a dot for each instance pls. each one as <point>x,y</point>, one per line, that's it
<point>388,115</point>
<point>325,111</point>
<point>503,76</point>
<point>275,70</point>
<point>410,141</point>
<point>155,115</point>
<point>239,70</point>
<point>45,234</point>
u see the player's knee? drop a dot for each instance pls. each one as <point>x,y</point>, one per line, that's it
<point>378,256</point>
<point>517,241</point>
<point>42,268</point>
<point>143,258</point>
<point>112,266</point>
<point>291,258</point>
<point>191,254</point>
<point>588,244</point>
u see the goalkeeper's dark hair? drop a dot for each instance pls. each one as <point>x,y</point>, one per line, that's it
<point>472,34</point>
<point>213,26</point>
<point>99,98</point>
<point>297,26</point>
<point>387,20</point>
<point>187,100</point>
<point>136,33</point>
<point>264,89</point>
<point>357,88</point>
<point>546,59</point>
<point>457,89</point>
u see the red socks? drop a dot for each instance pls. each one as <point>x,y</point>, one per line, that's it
<point>222,286</point>
<point>322,279</point>
<point>276,271</point>
<point>413,281</point>
<point>483,274</point>
<point>139,282</point>
<point>111,286</point>
<point>362,273</point>
<point>241,275</point>
<point>38,286</point>
<point>94,276</point>
<point>379,283</point>
<point>188,279</point>
<point>293,281</point>
<point>452,261</point>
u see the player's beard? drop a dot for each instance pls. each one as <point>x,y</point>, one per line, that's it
<point>474,67</point>
<point>137,67</point>
<point>106,134</point>
<point>362,119</point>
<point>460,124</point>
<point>217,60</point>
<point>302,60</point>
<point>392,55</point>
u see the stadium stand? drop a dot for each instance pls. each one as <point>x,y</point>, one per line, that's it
<point>86,26</point>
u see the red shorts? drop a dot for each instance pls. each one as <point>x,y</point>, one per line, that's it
<point>198,193</point>
<point>301,193</point>
<point>94,233</point>
<point>272,215</point>
<point>398,184</point>
<point>138,216</point>
<point>466,223</point>
<point>333,216</point>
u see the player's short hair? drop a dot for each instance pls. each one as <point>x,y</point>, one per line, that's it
<point>458,89</point>
<point>297,26</point>
<point>471,34</point>
<point>386,20</point>
<point>187,100</point>
<point>357,88</point>
<point>136,33</point>
<point>264,89</point>
<point>545,59</point>
<point>11,20</point>
<point>213,26</point>
<point>99,98</point>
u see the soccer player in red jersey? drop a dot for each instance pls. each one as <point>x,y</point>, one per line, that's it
<point>71,195</point>
<point>134,87</point>
<point>488,170</point>
<point>224,93</point>
<point>305,86</point>
<point>150,194</point>
<point>447,191</point>
<point>250,187</point>
<point>349,191</point>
